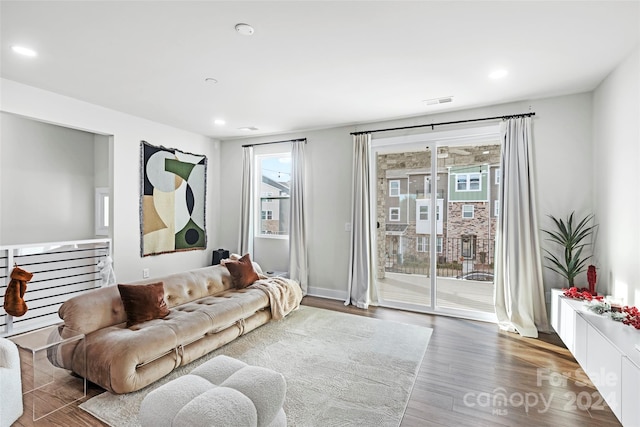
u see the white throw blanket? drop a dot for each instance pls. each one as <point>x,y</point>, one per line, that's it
<point>284,294</point>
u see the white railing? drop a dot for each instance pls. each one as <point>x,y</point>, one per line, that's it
<point>60,271</point>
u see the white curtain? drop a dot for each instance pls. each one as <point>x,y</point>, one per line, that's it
<point>362,284</point>
<point>246,210</point>
<point>519,292</point>
<point>298,262</point>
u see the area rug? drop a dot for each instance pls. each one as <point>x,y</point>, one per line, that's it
<point>341,369</point>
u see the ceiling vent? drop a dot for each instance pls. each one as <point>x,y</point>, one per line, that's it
<point>437,101</point>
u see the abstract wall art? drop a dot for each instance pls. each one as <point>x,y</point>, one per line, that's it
<point>172,200</point>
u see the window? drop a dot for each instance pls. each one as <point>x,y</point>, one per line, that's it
<point>467,211</point>
<point>468,182</point>
<point>424,213</point>
<point>394,214</point>
<point>496,208</point>
<point>102,211</point>
<point>497,178</point>
<point>394,188</point>
<point>422,244</point>
<point>274,172</point>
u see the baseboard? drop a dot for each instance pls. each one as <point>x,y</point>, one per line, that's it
<point>327,293</point>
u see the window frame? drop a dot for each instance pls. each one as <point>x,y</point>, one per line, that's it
<point>467,182</point>
<point>397,209</point>
<point>391,193</point>
<point>426,213</point>
<point>102,211</point>
<point>473,209</point>
<point>422,244</point>
<point>260,197</point>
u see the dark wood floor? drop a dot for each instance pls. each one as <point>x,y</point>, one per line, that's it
<point>472,375</point>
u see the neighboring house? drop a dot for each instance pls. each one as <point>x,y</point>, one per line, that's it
<point>472,210</point>
<point>274,199</point>
<point>466,211</point>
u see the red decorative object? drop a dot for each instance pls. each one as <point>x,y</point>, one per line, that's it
<point>591,278</point>
<point>633,316</point>
<point>632,313</point>
<point>576,293</point>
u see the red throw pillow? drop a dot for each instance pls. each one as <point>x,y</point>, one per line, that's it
<point>242,271</point>
<point>143,302</point>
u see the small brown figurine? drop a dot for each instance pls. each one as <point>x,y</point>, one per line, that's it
<point>14,296</point>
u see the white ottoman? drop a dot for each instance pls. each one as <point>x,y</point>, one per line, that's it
<point>221,392</point>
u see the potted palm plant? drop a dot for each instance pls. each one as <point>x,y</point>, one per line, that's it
<point>572,236</point>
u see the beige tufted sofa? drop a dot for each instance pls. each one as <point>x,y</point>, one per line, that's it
<point>206,312</point>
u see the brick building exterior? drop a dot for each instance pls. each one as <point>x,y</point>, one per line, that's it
<point>466,238</point>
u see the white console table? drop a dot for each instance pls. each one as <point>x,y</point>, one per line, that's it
<point>607,352</point>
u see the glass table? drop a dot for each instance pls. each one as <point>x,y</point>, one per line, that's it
<point>46,387</point>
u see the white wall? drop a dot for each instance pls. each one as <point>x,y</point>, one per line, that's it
<point>616,130</point>
<point>46,182</point>
<point>127,131</point>
<point>563,158</point>
<point>562,151</point>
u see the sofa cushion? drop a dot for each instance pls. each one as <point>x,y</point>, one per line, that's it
<point>143,302</point>
<point>242,271</point>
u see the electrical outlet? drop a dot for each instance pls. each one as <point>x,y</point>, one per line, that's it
<point>145,273</point>
<point>347,226</point>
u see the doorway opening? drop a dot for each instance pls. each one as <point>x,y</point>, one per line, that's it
<point>437,217</point>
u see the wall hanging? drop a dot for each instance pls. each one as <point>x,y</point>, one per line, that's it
<point>172,200</point>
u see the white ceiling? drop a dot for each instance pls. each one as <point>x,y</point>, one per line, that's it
<point>311,64</point>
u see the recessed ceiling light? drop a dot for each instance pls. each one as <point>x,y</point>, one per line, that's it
<point>486,152</point>
<point>24,51</point>
<point>244,29</point>
<point>498,74</point>
<point>219,122</point>
<point>249,128</point>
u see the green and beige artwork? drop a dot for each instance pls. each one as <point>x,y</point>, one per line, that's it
<point>172,202</point>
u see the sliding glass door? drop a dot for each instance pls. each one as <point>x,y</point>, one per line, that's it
<point>436,219</point>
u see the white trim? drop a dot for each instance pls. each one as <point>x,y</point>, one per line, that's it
<point>394,181</point>
<point>424,245</point>
<point>54,244</point>
<point>468,182</point>
<point>277,151</point>
<point>102,209</point>
<point>420,212</point>
<point>450,312</point>
<point>390,216</point>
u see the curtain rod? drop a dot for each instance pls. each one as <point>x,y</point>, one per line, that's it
<point>445,123</point>
<point>276,142</point>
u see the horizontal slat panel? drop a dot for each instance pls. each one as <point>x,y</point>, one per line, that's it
<point>60,271</point>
